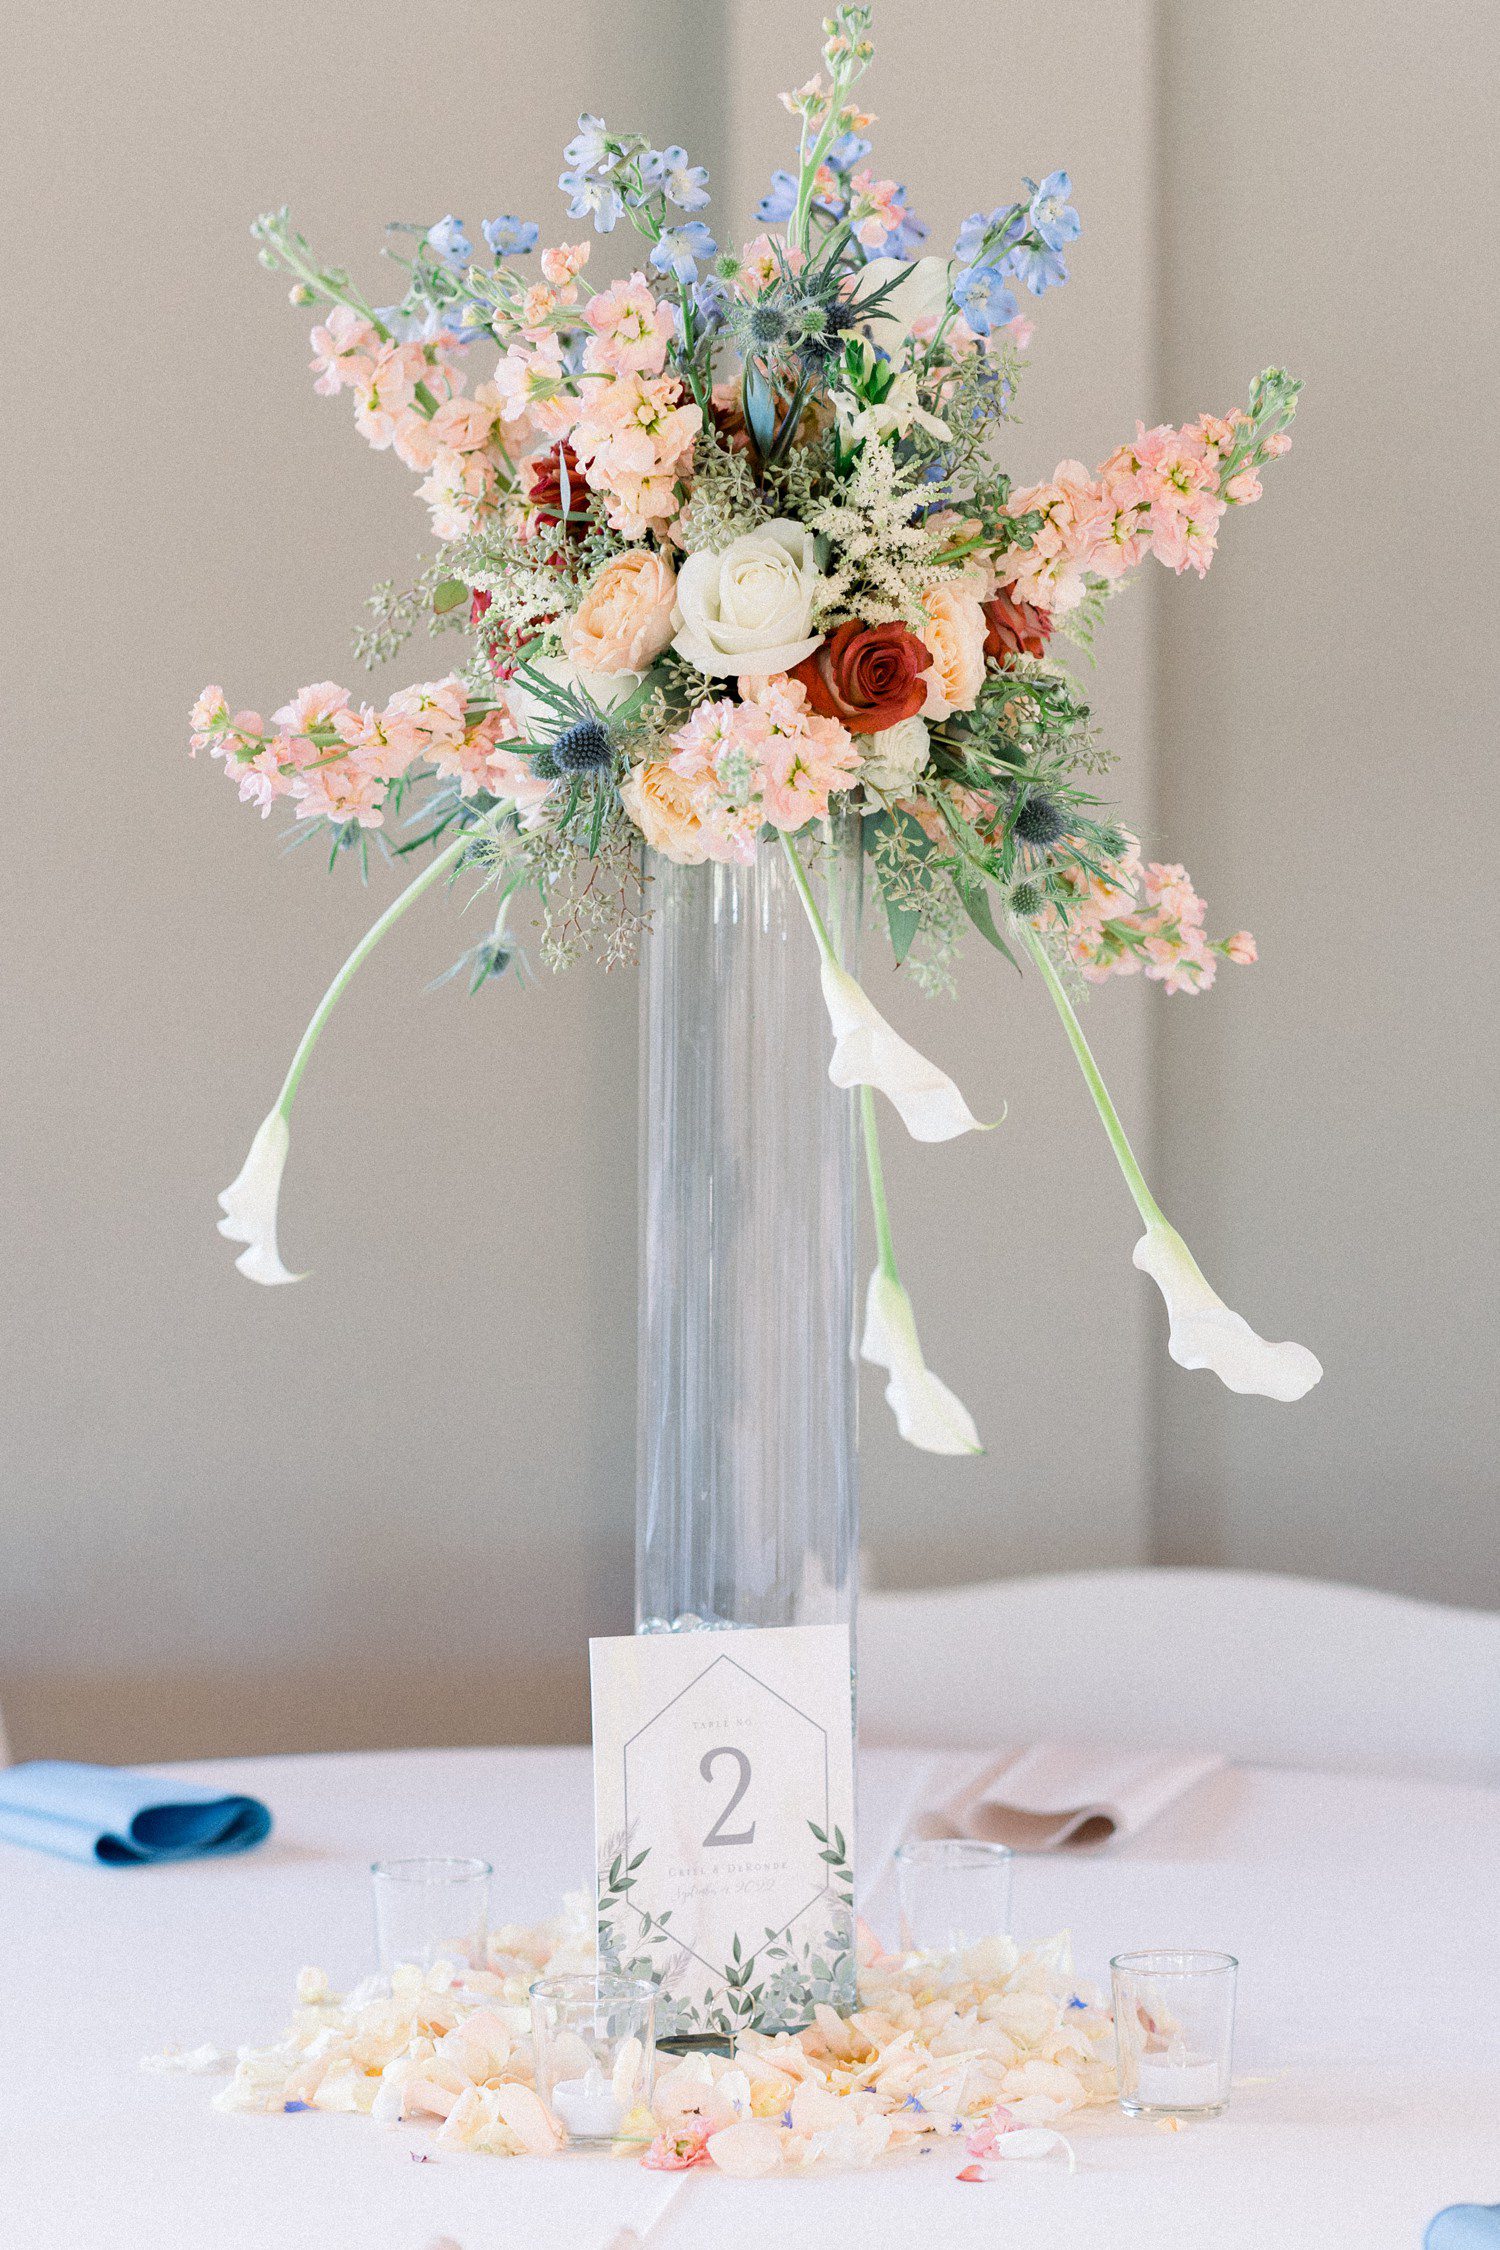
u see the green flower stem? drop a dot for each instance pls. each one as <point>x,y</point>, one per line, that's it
<point>1145,1202</point>
<point>810,904</point>
<point>885,1247</point>
<point>366,946</point>
<point>880,1210</point>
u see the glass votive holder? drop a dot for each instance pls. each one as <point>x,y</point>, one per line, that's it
<point>953,1892</point>
<point>430,1910</point>
<point>1174,2032</point>
<point>593,2040</point>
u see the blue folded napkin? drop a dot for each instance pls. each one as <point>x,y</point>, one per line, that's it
<point>1465,2226</point>
<point>121,1818</point>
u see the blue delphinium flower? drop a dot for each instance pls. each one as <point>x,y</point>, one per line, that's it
<point>710,300</point>
<point>680,250</point>
<point>982,297</point>
<point>589,151</point>
<point>1041,270</point>
<point>1007,221</point>
<point>847,151</point>
<point>1052,214</point>
<point>510,237</point>
<point>449,244</point>
<point>682,183</point>
<point>781,201</point>
<point>595,199</point>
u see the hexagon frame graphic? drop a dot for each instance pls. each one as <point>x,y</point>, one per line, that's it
<point>716,1968</point>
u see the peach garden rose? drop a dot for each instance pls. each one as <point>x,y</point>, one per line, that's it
<point>954,635</point>
<point>625,619</point>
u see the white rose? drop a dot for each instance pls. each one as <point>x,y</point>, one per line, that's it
<point>538,720</point>
<point>748,608</point>
<point>892,759</point>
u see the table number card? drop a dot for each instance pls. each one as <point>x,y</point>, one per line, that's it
<point>724,1820</point>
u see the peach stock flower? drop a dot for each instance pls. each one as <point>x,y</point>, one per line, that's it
<point>564,264</point>
<point>631,329</point>
<point>954,634</point>
<point>624,620</point>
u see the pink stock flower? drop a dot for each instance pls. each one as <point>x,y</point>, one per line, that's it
<point>1131,919</point>
<point>806,757</point>
<point>208,715</point>
<point>631,330</point>
<point>634,439</point>
<point>344,351</point>
<point>460,490</point>
<point>760,267</point>
<point>679,2148</point>
<point>390,387</point>
<point>564,264</point>
<point>874,208</point>
<point>985,2136</point>
<point>261,779</point>
<point>1052,573</point>
<point>532,381</point>
<point>319,705</point>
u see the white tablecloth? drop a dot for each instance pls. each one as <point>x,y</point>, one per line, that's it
<point>1365,1914</point>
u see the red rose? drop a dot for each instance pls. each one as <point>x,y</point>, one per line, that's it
<point>539,481</point>
<point>870,676</point>
<point>1015,628</point>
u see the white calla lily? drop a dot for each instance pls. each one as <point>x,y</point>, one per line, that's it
<point>1203,1332</point>
<point>928,1415</point>
<point>867,1051</point>
<point>249,1204</point>
<point>537,718</point>
<point>919,293</point>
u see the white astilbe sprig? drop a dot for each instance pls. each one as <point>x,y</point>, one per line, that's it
<point>879,553</point>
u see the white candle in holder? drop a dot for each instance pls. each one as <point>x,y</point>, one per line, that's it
<point>588,2106</point>
<point>1173,2082</point>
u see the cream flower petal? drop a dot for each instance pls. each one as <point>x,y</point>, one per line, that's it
<point>746,2151</point>
<point>249,1204</point>
<point>867,1052</point>
<point>1203,1332</point>
<point>533,714</point>
<point>703,657</point>
<point>920,293</point>
<point>927,1413</point>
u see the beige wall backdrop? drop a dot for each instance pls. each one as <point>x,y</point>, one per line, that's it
<point>389,1505</point>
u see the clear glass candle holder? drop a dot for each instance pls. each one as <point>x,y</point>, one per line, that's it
<point>953,1892</point>
<point>1174,2032</point>
<point>431,1910</point>
<point>594,2043</point>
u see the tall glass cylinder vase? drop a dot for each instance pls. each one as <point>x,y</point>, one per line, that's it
<point>747,1498</point>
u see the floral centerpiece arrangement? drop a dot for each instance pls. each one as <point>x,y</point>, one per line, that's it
<point>737,555</point>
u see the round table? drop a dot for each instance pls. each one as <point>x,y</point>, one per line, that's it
<point>1365,1914</point>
